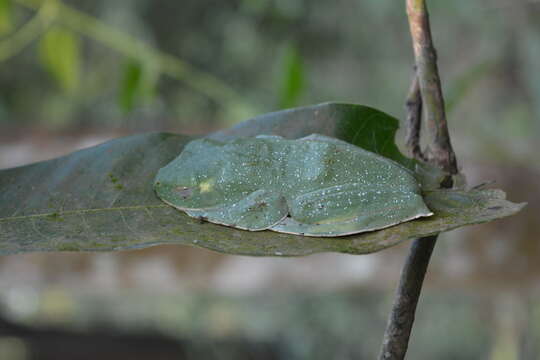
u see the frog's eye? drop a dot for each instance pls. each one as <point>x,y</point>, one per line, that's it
<point>184,192</point>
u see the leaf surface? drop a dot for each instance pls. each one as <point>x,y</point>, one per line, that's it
<point>102,198</point>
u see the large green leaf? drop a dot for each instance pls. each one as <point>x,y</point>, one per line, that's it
<point>101,198</point>
<point>362,126</point>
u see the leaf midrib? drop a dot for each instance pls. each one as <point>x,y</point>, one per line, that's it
<point>82,211</point>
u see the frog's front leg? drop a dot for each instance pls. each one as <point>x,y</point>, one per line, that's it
<point>260,210</point>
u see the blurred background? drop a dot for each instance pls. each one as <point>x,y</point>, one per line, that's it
<point>75,73</point>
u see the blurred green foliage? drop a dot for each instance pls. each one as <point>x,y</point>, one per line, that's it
<point>5,17</point>
<point>137,85</point>
<point>292,83</point>
<point>131,84</point>
<point>60,54</point>
<point>220,62</point>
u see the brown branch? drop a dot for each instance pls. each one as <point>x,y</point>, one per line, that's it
<point>441,152</point>
<point>398,330</point>
<point>425,92</point>
<point>414,118</point>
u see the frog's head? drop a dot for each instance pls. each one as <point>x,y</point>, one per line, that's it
<point>189,182</point>
<point>186,192</point>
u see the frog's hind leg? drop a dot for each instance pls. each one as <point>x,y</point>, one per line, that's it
<point>260,210</point>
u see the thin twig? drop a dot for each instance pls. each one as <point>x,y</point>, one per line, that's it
<point>425,92</point>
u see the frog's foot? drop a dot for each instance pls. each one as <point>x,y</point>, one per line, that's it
<point>258,211</point>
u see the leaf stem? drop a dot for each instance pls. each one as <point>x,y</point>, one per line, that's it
<point>425,92</point>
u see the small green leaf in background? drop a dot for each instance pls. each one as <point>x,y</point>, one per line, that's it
<point>130,86</point>
<point>138,84</point>
<point>292,81</point>
<point>60,54</point>
<point>5,17</point>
